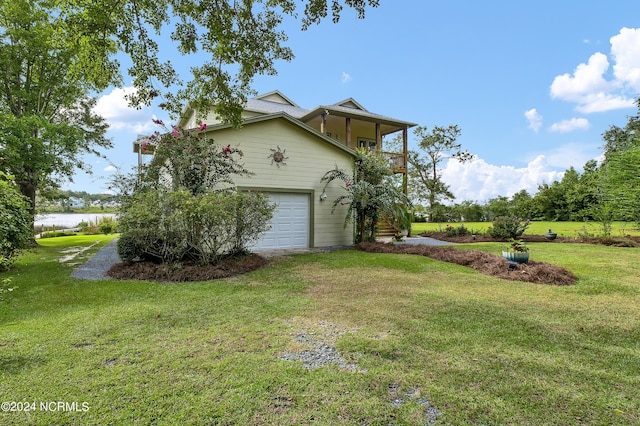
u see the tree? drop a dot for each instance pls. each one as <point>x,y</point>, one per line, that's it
<point>54,53</point>
<point>425,172</point>
<point>185,206</point>
<point>618,139</point>
<point>622,182</point>
<point>46,117</point>
<point>15,227</point>
<point>239,39</point>
<point>369,194</point>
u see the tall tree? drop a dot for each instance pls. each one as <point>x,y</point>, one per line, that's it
<point>425,164</point>
<point>619,139</point>
<point>239,39</point>
<point>53,53</point>
<point>622,182</point>
<point>46,117</point>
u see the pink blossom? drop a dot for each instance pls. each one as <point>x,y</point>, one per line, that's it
<point>347,184</point>
<point>226,149</point>
<point>158,121</point>
<point>175,133</point>
<point>203,127</point>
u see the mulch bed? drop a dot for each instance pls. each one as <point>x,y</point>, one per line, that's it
<point>485,263</point>
<point>627,241</point>
<point>187,271</point>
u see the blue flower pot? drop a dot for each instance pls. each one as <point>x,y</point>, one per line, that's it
<point>516,256</point>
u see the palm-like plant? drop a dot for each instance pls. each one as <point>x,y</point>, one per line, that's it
<point>368,196</point>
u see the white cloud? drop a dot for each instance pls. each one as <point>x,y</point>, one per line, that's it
<point>574,154</point>
<point>110,168</point>
<point>590,90</point>
<point>477,180</point>
<point>346,78</point>
<point>601,102</point>
<point>535,119</point>
<point>625,49</point>
<point>566,126</point>
<point>120,116</point>
<point>587,79</point>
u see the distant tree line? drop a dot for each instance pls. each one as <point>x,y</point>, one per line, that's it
<point>605,191</point>
<point>62,200</point>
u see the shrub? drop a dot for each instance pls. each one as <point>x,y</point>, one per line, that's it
<point>171,226</point>
<point>15,222</point>
<point>129,247</point>
<point>106,228</point>
<point>508,227</point>
<point>455,232</point>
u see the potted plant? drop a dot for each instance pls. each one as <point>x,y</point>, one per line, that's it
<point>398,238</point>
<point>516,251</point>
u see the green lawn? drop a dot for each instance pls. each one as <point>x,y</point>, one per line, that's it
<point>564,229</point>
<point>423,338</point>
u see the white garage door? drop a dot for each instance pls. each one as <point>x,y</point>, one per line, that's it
<point>290,223</point>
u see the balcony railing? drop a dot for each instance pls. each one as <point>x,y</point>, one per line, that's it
<point>396,161</point>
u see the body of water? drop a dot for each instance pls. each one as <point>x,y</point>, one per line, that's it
<point>68,220</point>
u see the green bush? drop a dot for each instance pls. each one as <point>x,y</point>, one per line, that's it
<point>15,222</point>
<point>129,248</point>
<point>507,227</point>
<point>106,228</point>
<point>455,232</point>
<point>171,226</point>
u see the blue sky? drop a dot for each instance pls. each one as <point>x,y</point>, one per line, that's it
<point>531,85</point>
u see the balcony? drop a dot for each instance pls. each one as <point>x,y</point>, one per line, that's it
<point>396,161</point>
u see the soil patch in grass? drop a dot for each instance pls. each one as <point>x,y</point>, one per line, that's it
<point>485,263</point>
<point>187,271</point>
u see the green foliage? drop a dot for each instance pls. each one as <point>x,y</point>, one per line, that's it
<point>508,227</point>
<point>183,206</point>
<point>370,196</point>
<point>426,176</point>
<point>107,228</point>
<point>517,246</point>
<point>15,222</point>
<point>237,39</point>
<point>622,182</point>
<point>172,226</point>
<point>47,121</point>
<point>190,159</point>
<point>453,231</point>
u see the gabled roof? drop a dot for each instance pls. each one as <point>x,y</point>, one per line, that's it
<point>276,96</point>
<point>350,103</point>
<point>274,102</point>
<point>290,119</point>
<point>355,113</point>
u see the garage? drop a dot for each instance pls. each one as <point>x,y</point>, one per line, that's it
<point>290,223</point>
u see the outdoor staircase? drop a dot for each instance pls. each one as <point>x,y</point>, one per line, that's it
<point>385,229</point>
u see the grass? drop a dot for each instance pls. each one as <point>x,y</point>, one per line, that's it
<point>563,229</point>
<point>480,350</point>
